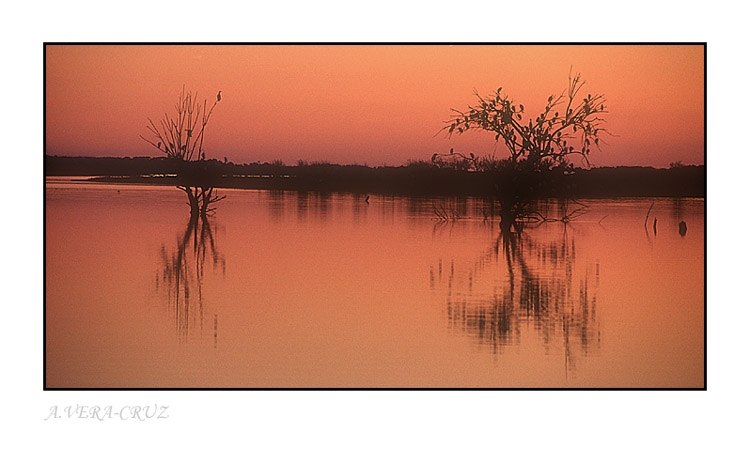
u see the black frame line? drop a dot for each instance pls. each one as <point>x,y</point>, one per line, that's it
<point>705,221</point>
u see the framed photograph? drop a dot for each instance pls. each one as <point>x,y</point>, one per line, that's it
<point>374,216</point>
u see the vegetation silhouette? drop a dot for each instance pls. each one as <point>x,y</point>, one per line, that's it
<point>518,283</point>
<point>181,275</point>
<point>538,152</point>
<point>180,137</point>
<point>416,178</point>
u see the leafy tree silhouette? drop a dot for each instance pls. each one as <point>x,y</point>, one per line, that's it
<point>539,151</point>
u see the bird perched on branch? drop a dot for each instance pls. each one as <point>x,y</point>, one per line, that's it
<point>218,96</point>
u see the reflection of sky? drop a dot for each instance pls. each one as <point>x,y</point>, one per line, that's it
<point>340,295</point>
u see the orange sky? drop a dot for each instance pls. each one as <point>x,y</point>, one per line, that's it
<point>372,104</point>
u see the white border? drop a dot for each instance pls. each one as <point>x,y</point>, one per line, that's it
<point>379,426</point>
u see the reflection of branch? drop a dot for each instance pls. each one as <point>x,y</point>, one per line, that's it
<point>645,221</point>
<point>445,214</point>
<point>565,216</point>
<point>181,281</point>
<point>208,197</point>
<point>539,288</point>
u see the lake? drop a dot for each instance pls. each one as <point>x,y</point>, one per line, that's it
<point>285,289</point>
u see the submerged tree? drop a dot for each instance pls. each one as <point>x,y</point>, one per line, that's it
<point>180,137</point>
<point>539,151</point>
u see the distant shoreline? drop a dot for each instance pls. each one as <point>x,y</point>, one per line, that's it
<point>418,179</point>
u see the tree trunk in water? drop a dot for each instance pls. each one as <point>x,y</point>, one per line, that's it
<point>194,208</point>
<point>199,199</point>
<point>192,201</point>
<point>507,216</point>
<point>205,200</point>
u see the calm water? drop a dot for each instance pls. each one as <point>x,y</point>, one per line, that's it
<point>287,289</point>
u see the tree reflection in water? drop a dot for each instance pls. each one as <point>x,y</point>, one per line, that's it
<point>181,277</point>
<point>521,285</point>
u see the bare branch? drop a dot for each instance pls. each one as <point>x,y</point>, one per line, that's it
<point>182,134</point>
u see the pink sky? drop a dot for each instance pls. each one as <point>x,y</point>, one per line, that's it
<point>373,104</point>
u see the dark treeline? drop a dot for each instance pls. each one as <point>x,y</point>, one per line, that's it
<point>417,178</point>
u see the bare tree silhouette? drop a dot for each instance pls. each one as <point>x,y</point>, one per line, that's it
<point>180,137</point>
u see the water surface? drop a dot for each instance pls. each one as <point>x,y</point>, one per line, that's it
<point>288,289</point>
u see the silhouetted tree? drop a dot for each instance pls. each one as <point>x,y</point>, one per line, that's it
<point>180,137</point>
<point>539,150</point>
